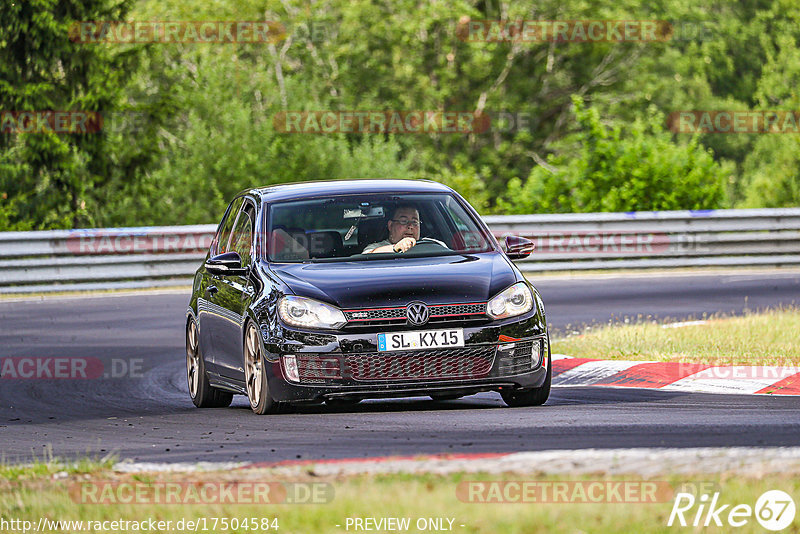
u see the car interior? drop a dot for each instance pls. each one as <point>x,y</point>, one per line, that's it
<point>345,237</point>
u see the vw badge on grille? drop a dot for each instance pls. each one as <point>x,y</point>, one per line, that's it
<point>417,313</point>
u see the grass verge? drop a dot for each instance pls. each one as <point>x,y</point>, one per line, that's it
<point>52,468</point>
<point>765,338</point>
<point>416,497</point>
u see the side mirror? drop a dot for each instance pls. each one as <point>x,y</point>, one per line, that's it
<point>518,248</point>
<point>226,264</point>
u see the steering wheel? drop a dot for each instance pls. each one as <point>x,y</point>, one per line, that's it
<point>426,247</point>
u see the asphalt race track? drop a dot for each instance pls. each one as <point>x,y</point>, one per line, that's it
<point>145,413</point>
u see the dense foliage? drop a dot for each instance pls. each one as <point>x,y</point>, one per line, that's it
<point>575,126</point>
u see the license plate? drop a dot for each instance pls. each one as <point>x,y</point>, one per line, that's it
<point>426,339</point>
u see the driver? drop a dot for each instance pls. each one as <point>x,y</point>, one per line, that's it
<point>403,232</point>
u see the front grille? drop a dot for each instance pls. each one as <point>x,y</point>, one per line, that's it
<point>465,363</point>
<point>376,314</point>
<point>519,359</point>
<point>462,363</point>
<point>458,309</point>
<point>392,316</point>
<point>317,368</point>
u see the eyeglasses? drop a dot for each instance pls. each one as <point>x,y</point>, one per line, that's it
<point>404,221</point>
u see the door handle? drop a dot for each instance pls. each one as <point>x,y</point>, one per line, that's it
<point>211,291</point>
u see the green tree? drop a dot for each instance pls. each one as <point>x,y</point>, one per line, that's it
<point>51,179</point>
<point>617,168</point>
<point>771,170</point>
<point>208,108</point>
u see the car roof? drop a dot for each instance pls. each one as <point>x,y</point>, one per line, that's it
<point>300,190</point>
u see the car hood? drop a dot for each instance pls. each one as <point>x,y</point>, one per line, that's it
<point>376,283</point>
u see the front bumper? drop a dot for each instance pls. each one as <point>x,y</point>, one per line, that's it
<point>349,365</point>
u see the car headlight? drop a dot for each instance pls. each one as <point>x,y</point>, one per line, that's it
<point>512,301</point>
<point>309,313</point>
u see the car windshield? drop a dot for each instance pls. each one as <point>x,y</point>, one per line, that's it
<point>366,227</point>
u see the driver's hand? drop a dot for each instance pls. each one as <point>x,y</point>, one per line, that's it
<point>404,244</point>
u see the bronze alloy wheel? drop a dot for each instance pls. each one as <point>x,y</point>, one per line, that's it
<point>202,393</point>
<point>192,359</point>
<point>255,375</point>
<point>253,367</point>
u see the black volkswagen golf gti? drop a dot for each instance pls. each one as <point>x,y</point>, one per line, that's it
<point>344,290</point>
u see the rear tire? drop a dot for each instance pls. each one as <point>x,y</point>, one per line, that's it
<point>202,393</point>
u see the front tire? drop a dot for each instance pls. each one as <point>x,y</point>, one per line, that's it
<point>534,396</point>
<point>529,397</point>
<point>255,375</point>
<point>202,393</point>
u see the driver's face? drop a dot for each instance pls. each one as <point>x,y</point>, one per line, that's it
<point>398,231</point>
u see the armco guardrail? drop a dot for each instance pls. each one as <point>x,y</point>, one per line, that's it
<point>169,255</point>
<point>658,239</point>
<point>60,260</point>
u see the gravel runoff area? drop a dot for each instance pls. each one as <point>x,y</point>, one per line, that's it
<point>748,461</point>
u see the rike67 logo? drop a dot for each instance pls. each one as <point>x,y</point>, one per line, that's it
<point>774,510</point>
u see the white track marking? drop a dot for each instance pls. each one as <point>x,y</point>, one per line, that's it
<point>591,372</point>
<point>733,379</point>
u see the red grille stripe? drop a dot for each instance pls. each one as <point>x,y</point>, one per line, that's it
<point>373,309</point>
<point>377,319</point>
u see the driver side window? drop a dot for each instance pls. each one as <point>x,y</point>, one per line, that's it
<point>220,243</point>
<point>242,236</point>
